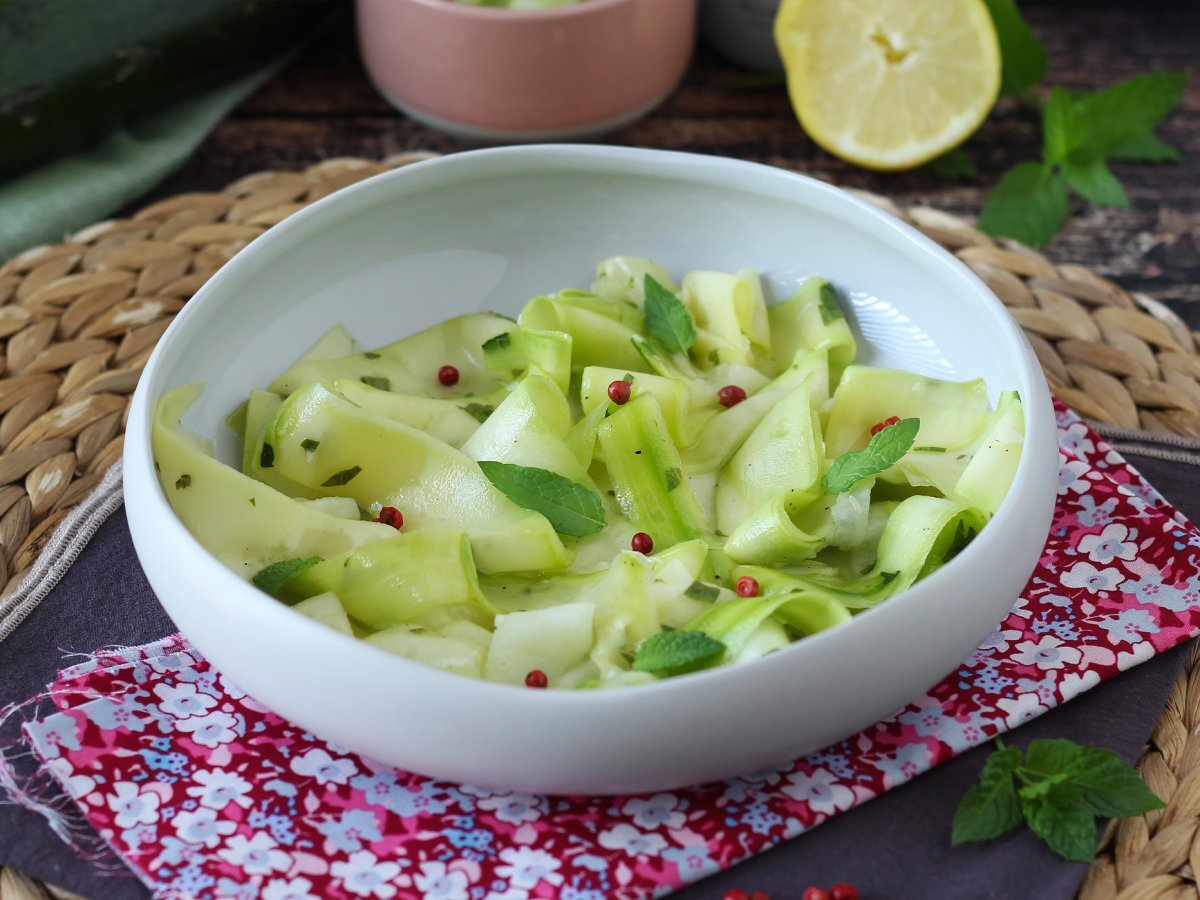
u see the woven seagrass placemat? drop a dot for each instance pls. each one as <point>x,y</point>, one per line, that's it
<point>79,319</point>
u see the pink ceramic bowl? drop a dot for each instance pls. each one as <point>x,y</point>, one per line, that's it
<point>498,75</point>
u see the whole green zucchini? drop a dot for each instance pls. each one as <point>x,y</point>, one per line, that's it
<point>72,70</point>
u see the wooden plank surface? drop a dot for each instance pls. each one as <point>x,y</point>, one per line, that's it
<point>324,106</point>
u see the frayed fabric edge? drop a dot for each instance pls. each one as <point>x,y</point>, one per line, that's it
<point>32,784</point>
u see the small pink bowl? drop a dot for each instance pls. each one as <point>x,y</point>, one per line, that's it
<point>498,75</point>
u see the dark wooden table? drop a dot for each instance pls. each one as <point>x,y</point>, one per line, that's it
<point>323,106</point>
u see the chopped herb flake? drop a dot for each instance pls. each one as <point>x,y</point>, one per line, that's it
<point>928,449</point>
<point>276,575</point>
<point>499,342</point>
<point>309,444</point>
<point>253,502</point>
<point>701,591</point>
<point>266,458</point>
<point>343,477</point>
<point>374,381</point>
<point>714,356</point>
<point>831,309</point>
<point>183,481</point>
<point>674,479</point>
<point>480,411</point>
<point>370,354</point>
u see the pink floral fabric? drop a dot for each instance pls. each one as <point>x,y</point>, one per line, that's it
<point>204,793</point>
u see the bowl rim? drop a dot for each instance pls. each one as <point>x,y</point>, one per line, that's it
<point>493,14</point>
<point>499,162</point>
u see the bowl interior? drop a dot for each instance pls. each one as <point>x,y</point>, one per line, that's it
<point>405,251</point>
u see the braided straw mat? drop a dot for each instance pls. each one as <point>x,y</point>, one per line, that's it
<point>79,319</point>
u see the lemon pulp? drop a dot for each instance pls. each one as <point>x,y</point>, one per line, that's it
<point>889,84</point>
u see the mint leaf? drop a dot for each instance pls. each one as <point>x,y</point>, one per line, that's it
<point>343,477</point>
<point>1068,828</point>
<point>1022,57</point>
<point>677,652</point>
<point>374,381</point>
<point>1029,204</point>
<point>1059,129</point>
<point>571,508</point>
<point>831,307</point>
<point>1124,112</point>
<point>953,164</point>
<point>1093,181</point>
<point>276,575</point>
<point>1103,781</point>
<point>884,451</point>
<point>699,590</point>
<point>1051,758</point>
<point>667,320</point>
<point>1063,787</point>
<point>990,808</point>
<point>480,411</point>
<point>1145,148</point>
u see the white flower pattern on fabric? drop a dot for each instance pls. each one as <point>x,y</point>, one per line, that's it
<point>183,700</point>
<point>633,842</point>
<point>318,764</point>
<point>515,809</point>
<point>211,730</point>
<point>201,827</point>
<point>659,810</point>
<point>1108,545</point>
<point>1085,575</point>
<point>820,790</point>
<point>257,855</point>
<point>1021,709</point>
<point>525,867</point>
<point>295,889</point>
<point>217,788</point>
<point>1049,652</point>
<point>437,882</point>
<point>1071,477</point>
<point>133,805</point>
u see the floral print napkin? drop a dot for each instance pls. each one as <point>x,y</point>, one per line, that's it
<point>205,793</point>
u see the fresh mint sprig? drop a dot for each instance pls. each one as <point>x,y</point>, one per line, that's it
<point>677,652</point>
<point>1083,131</point>
<point>887,447</point>
<point>667,319</point>
<point>1058,789</point>
<point>571,508</point>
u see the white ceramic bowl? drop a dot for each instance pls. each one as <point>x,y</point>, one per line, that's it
<point>486,231</point>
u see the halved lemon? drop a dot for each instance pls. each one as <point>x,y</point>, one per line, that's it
<point>889,84</point>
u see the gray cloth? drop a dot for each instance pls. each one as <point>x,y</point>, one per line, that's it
<point>896,846</point>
